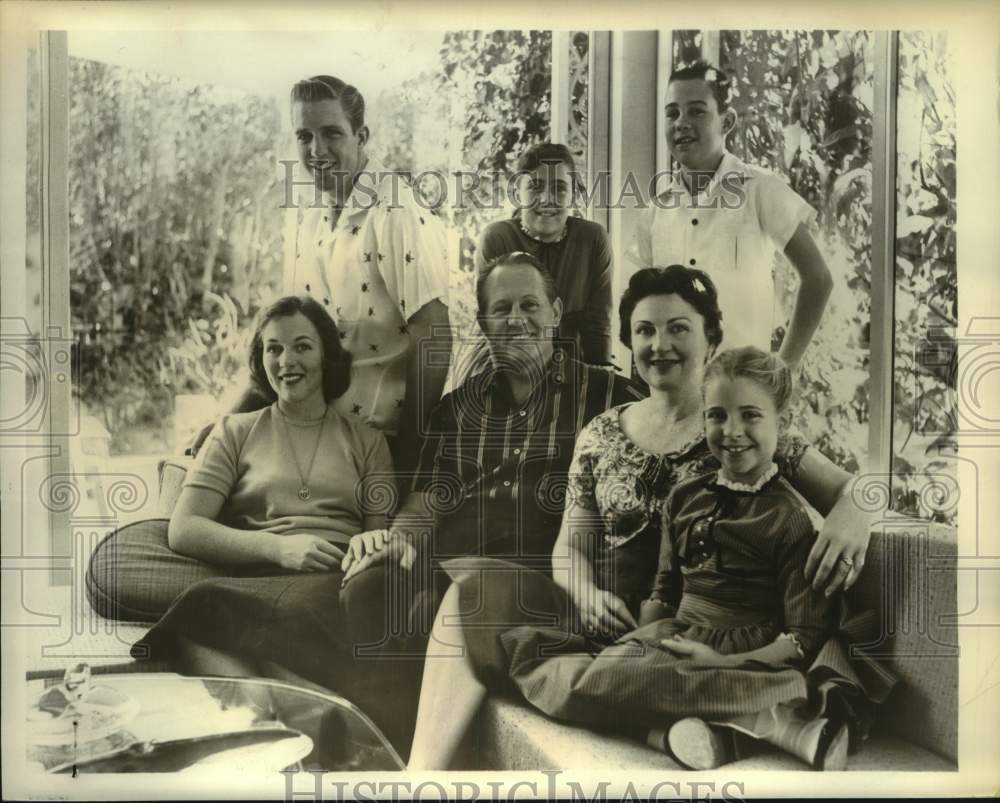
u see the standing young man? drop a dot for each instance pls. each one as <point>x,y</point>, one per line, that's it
<point>377,260</point>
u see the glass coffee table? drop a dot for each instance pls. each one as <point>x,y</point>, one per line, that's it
<point>170,723</point>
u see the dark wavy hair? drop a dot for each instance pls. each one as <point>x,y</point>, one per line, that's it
<point>326,87</point>
<point>336,360</point>
<point>691,284</point>
<point>513,258</point>
<point>716,79</point>
<point>767,370</point>
<point>550,153</point>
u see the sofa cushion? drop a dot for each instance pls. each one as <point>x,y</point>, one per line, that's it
<point>134,575</point>
<point>509,735</point>
<point>910,580</point>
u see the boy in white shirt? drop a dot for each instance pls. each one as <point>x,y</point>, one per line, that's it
<point>728,218</point>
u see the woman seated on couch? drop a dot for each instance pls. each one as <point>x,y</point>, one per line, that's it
<point>250,561</point>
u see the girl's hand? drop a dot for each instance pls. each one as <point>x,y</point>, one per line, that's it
<point>363,544</point>
<point>838,556</point>
<point>306,553</point>
<point>602,612</point>
<point>699,653</point>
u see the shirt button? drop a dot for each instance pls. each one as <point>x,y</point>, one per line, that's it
<point>694,262</point>
<point>523,412</point>
<point>517,451</point>
<point>694,222</point>
<point>506,483</point>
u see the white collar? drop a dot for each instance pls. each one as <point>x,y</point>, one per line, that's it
<point>732,485</point>
<point>728,166</point>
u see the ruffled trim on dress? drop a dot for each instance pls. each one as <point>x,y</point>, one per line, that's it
<point>744,487</point>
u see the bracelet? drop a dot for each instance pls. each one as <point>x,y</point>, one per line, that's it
<point>792,638</point>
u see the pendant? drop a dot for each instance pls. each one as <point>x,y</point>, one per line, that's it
<point>305,494</point>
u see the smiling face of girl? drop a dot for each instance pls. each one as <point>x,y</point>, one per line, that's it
<point>668,342</point>
<point>741,426</point>
<point>546,196</point>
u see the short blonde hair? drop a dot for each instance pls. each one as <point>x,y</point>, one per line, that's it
<point>767,370</point>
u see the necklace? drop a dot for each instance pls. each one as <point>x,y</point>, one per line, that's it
<point>559,239</point>
<point>304,493</point>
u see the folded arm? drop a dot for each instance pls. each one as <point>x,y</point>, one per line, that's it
<point>600,610</point>
<point>426,371</point>
<point>194,532</point>
<point>839,552</point>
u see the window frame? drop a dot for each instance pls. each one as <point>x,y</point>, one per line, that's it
<point>619,61</point>
<point>610,139</point>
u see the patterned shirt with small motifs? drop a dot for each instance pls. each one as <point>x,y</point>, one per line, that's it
<point>384,259</point>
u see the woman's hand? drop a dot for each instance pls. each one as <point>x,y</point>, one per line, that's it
<point>306,553</point>
<point>699,653</point>
<point>602,612</point>
<point>838,556</point>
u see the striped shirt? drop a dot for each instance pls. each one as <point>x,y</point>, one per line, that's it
<point>495,471</point>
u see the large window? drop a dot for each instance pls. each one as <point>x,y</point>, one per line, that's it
<point>175,219</point>
<point>926,291</point>
<point>176,231</point>
<point>174,242</point>
<point>805,102</point>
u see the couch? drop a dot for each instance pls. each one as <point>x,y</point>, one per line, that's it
<point>909,578</point>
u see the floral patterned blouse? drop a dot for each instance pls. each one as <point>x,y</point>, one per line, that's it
<point>626,487</point>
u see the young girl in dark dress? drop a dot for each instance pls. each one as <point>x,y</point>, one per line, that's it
<point>733,634</point>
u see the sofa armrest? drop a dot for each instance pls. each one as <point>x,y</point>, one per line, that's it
<point>910,579</point>
<point>172,471</point>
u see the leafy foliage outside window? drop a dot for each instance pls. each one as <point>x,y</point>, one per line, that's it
<point>176,226</point>
<point>173,198</point>
<point>804,100</point>
<point>926,300</point>
<point>487,103</point>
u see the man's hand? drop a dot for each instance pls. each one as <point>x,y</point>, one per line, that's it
<point>383,545</point>
<point>306,553</point>
<point>363,544</point>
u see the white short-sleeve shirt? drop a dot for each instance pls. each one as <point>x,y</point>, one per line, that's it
<point>385,258</point>
<point>731,232</point>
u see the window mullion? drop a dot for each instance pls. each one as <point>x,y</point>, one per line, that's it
<point>882,319</point>
<point>56,331</point>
